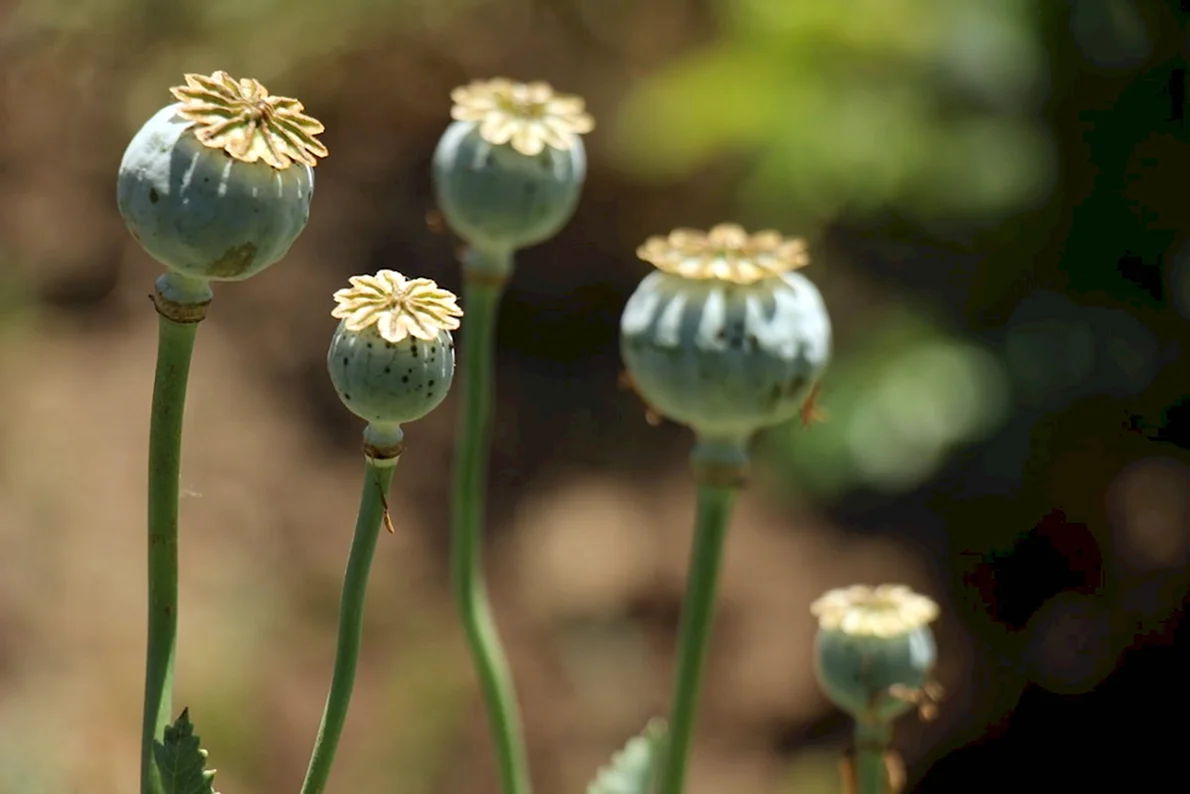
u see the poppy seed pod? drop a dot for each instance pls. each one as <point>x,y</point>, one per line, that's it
<point>874,651</point>
<point>217,186</point>
<point>723,337</point>
<point>508,171</point>
<point>392,357</point>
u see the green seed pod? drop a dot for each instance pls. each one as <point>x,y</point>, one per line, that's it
<point>508,171</point>
<point>392,357</point>
<point>217,186</point>
<point>874,652</point>
<point>722,338</point>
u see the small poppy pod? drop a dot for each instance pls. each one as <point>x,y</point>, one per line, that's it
<point>874,652</point>
<point>218,185</point>
<point>508,171</point>
<point>392,359</point>
<point>723,350</point>
<point>387,382</point>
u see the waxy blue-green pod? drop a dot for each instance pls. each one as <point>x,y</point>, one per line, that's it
<point>724,337</point>
<point>508,171</point>
<point>217,186</point>
<point>875,652</point>
<point>392,357</point>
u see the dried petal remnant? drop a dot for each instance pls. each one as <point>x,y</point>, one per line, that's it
<point>397,306</point>
<point>529,116</point>
<point>243,119</point>
<point>884,611</point>
<point>726,252</point>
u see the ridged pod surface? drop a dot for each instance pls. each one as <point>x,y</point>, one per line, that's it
<point>387,382</point>
<point>857,673</point>
<point>202,213</point>
<point>721,357</point>
<point>494,196</point>
<point>874,652</point>
<point>508,171</point>
<point>392,358</point>
<point>218,185</point>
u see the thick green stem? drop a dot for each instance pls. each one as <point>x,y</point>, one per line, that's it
<point>481,299</point>
<point>871,744</point>
<point>174,349</point>
<point>698,608</point>
<point>378,476</point>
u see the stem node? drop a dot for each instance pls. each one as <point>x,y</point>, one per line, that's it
<point>181,298</point>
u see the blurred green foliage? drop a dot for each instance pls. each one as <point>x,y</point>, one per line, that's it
<point>921,104</point>
<point>926,105</point>
<point>813,772</point>
<point>897,405</point>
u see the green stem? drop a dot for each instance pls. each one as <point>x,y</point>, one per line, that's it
<point>481,300</point>
<point>174,349</point>
<point>871,743</point>
<point>698,607</point>
<point>378,476</point>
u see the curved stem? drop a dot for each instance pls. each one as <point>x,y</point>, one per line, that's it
<point>481,299</point>
<point>698,608</point>
<point>871,743</point>
<point>378,476</point>
<point>174,349</point>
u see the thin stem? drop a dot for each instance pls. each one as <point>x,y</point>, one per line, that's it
<point>714,508</point>
<point>174,349</point>
<point>378,476</point>
<point>871,744</point>
<point>481,299</point>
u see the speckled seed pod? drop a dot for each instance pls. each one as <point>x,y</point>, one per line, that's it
<point>508,171</point>
<point>722,337</point>
<point>392,357</point>
<point>874,651</point>
<point>218,185</point>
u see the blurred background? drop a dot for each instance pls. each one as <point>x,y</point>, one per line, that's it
<point>994,193</point>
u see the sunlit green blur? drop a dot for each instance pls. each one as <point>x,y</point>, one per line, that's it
<point>926,104</point>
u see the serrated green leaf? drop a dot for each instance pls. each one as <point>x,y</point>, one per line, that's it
<point>631,769</point>
<point>181,761</point>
